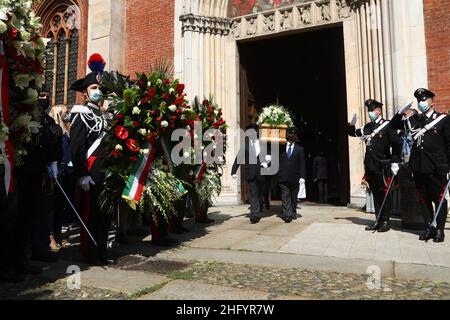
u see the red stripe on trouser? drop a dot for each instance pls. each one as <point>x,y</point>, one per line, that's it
<point>388,183</point>
<point>85,216</point>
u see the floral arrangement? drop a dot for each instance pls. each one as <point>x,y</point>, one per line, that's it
<point>145,113</point>
<point>4,131</point>
<point>275,115</point>
<point>25,51</point>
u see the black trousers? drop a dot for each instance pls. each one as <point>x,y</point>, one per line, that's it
<point>431,188</point>
<point>289,195</point>
<point>180,213</point>
<point>377,186</point>
<point>322,188</point>
<point>98,224</point>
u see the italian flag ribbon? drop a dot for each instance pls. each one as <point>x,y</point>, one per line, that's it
<point>136,181</point>
<point>200,171</point>
<point>7,148</point>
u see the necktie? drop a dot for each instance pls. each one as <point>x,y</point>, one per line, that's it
<point>290,151</point>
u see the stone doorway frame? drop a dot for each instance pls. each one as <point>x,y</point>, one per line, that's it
<point>379,64</point>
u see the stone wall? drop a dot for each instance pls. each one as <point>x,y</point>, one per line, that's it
<point>437,30</point>
<point>150,33</point>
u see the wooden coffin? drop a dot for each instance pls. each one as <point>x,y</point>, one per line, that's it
<point>274,134</point>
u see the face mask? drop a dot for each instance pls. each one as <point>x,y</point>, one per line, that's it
<point>44,103</point>
<point>424,106</point>
<point>373,116</point>
<point>95,96</point>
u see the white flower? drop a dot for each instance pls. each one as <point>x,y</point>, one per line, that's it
<point>173,108</point>
<point>188,128</point>
<point>171,90</point>
<point>22,80</point>
<point>145,152</point>
<point>149,84</point>
<point>164,124</point>
<point>159,81</point>
<point>143,131</point>
<point>3,27</point>
<point>32,96</point>
<point>136,110</point>
<point>119,147</point>
<point>183,117</point>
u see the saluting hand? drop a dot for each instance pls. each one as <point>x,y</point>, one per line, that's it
<point>354,119</point>
<point>405,108</point>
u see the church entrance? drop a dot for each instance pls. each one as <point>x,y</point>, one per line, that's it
<point>305,72</point>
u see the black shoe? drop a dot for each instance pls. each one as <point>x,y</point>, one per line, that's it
<point>439,237</point>
<point>11,276</point>
<point>295,216</point>
<point>255,220</point>
<point>287,220</point>
<point>28,269</point>
<point>373,227</point>
<point>45,256</point>
<point>428,234</point>
<point>121,238</point>
<point>385,227</point>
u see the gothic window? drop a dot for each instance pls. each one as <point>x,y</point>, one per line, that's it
<point>62,57</point>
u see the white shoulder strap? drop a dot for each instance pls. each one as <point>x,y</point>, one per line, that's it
<point>368,138</point>
<point>419,134</point>
<point>95,145</point>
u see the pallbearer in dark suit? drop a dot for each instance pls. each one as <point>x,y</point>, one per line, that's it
<point>89,154</point>
<point>380,162</point>
<point>429,158</point>
<point>249,158</point>
<point>292,172</point>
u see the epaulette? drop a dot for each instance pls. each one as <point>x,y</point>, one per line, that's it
<point>80,109</point>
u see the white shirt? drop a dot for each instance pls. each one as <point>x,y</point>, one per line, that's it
<point>378,120</point>
<point>257,147</point>
<point>429,113</point>
<point>288,145</point>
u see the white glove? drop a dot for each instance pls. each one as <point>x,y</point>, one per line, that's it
<point>405,108</point>
<point>268,158</point>
<point>234,176</point>
<point>52,169</point>
<point>395,168</point>
<point>264,165</point>
<point>354,119</point>
<point>85,183</point>
<point>302,180</point>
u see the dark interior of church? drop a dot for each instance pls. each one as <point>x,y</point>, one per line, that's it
<point>305,72</point>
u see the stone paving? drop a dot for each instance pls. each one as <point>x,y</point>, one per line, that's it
<point>325,254</point>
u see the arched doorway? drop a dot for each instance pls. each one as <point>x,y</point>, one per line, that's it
<point>65,24</point>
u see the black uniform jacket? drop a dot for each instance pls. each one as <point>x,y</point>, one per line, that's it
<point>433,154</point>
<point>385,146</point>
<point>291,170</point>
<point>81,139</point>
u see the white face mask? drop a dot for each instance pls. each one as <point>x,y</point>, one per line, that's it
<point>424,106</point>
<point>95,96</point>
<point>373,115</point>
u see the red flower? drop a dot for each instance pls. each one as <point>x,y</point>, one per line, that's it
<point>136,124</point>
<point>13,33</point>
<point>173,118</point>
<point>151,93</point>
<point>155,134</point>
<point>121,133</point>
<point>180,88</point>
<point>119,116</point>
<point>154,112</point>
<point>166,96</point>
<point>158,119</point>
<point>205,102</point>
<point>115,154</point>
<point>178,111</point>
<point>133,158</point>
<point>178,101</point>
<point>133,145</point>
<point>166,82</point>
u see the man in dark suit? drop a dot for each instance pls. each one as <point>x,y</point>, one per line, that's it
<point>250,159</point>
<point>292,172</point>
<point>429,158</point>
<point>320,174</point>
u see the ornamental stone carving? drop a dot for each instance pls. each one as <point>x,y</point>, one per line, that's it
<point>207,25</point>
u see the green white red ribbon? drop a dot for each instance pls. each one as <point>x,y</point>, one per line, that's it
<point>200,171</point>
<point>136,181</point>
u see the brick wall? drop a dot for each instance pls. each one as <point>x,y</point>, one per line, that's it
<point>150,33</point>
<point>437,32</point>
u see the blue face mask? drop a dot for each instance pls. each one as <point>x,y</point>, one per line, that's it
<point>95,96</point>
<point>373,116</point>
<point>424,106</point>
